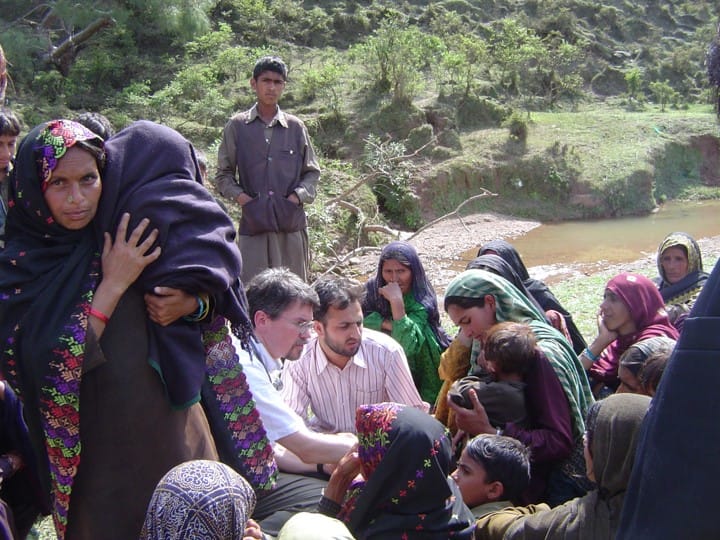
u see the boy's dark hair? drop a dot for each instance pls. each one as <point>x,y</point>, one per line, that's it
<point>9,123</point>
<point>97,123</point>
<point>511,346</point>
<point>270,63</point>
<point>336,292</point>
<point>505,460</point>
<point>274,289</point>
<point>653,370</point>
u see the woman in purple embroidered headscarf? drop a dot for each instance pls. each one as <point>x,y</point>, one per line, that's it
<point>401,301</point>
<point>406,492</point>
<point>632,310</point>
<point>111,400</point>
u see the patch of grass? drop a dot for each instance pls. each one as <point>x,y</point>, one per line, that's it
<point>624,162</point>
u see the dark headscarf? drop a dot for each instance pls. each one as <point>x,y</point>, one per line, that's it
<point>422,289</point>
<point>406,458</point>
<point>539,291</point>
<point>498,265</point>
<point>199,499</point>
<point>679,441</point>
<point>647,311</point>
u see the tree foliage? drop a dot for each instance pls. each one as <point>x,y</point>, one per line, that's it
<point>397,57</point>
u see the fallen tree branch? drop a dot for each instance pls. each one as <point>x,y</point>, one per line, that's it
<point>63,55</point>
<point>364,250</point>
<point>485,193</point>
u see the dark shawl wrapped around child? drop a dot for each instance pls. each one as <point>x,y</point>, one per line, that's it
<point>48,275</point>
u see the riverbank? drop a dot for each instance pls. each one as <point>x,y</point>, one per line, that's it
<point>443,246</point>
<point>579,287</point>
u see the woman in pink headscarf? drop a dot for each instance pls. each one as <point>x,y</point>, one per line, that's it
<point>632,310</point>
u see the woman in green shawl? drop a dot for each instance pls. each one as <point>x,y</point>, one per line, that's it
<point>613,428</point>
<point>475,300</point>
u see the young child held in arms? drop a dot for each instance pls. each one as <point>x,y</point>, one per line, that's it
<point>508,350</point>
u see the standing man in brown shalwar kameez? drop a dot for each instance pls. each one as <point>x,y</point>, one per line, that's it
<point>277,174</point>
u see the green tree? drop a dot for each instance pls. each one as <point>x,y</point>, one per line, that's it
<point>663,93</point>
<point>633,80</point>
<point>556,72</point>
<point>323,83</point>
<point>463,62</point>
<point>62,30</point>
<point>512,47</point>
<point>397,57</point>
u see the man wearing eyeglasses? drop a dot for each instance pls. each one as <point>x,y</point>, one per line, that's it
<point>267,165</point>
<point>281,309</point>
<point>345,366</point>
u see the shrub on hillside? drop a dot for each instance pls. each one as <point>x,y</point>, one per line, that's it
<point>517,125</point>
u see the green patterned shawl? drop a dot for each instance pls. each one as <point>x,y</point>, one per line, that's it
<point>512,305</point>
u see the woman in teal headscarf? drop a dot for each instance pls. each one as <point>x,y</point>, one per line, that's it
<point>476,300</point>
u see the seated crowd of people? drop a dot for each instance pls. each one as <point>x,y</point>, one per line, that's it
<point>282,409</point>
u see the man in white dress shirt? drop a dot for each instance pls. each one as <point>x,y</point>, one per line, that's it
<point>345,366</point>
<point>281,309</point>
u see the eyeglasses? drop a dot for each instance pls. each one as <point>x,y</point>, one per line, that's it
<point>302,326</point>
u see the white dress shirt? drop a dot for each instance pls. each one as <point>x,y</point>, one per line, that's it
<point>277,417</point>
<point>327,396</point>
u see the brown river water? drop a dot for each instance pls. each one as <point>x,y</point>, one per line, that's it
<point>558,249</point>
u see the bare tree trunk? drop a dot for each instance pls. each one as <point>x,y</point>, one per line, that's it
<point>3,76</point>
<point>63,56</point>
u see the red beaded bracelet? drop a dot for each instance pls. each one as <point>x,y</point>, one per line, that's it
<point>99,315</point>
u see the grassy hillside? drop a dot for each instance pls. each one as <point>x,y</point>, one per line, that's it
<point>566,108</point>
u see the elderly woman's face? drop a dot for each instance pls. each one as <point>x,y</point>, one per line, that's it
<point>394,271</point>
<point>74,189</point>
<point>674,261</point>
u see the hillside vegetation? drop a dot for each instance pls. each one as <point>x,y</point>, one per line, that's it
<point>564,108</point>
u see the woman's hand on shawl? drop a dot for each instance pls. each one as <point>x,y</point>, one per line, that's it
<point>253,531</point>
<point>347,470</point>
<point>124,259</point>
<point>472,421</point>
<point>166,305</point>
